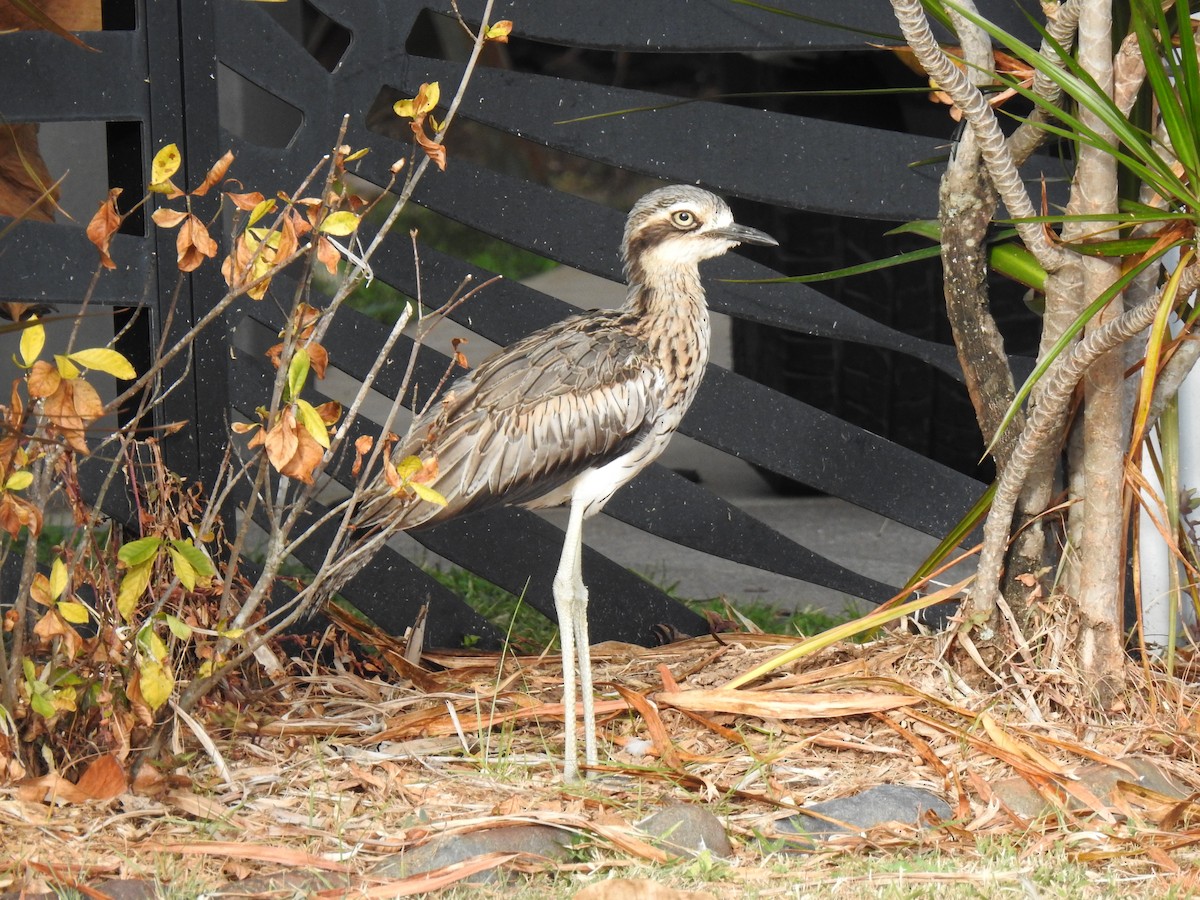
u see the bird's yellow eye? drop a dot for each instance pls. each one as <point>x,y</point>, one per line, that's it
<point>684,219</point>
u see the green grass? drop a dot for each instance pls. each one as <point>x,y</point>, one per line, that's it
<point>531,631</point>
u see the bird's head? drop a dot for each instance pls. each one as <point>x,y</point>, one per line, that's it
<point>678,226</point>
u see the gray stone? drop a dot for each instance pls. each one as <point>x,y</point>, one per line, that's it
<point>1024,799</point>
<point>445,850</point>
<point>858,812</point>
<point>686,830</point>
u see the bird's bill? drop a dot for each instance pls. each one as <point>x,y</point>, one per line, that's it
<point>743,234</point>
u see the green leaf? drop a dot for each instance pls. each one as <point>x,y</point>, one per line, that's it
<point>297,373</point>
<point>340,223</point>
<point>33,339</point>
<point>58,578</point>
<point>133,585</point>
<point>75,613</point>
<point>195,556</point>
<point>105,360</point>
<point>313,423</point>
<point>179,628</point>
<point>183,569</point>
<point>137,552</point>
<point>42,705</point>
<point>426,493</point>
<point>18,481</point>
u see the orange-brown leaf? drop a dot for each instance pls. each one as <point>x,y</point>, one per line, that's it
<point>362,446</point>
<point>328,255</point>
<point>215,174</point>
<point>44,379</point>
<point>246,202</point>
<point>281,440</point>
<point>784,704</point>
<point>193,245</point>
<point>330,412</point>
<point>165,217</point>
<point>17,512</point>
<point>105,223</point>
<point>104,779</point>
<point>318,358</point>
<point>433,150</point>
<point>88,405</point>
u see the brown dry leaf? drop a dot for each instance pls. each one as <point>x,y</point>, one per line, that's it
<point>165,217</point>
<point>105,223</point>
<point>666,748</point>
<point>16,512</point>
<point>24,177</point>
<point>290,448</point>
<point>44,379</point>
<point>637,889</point>
<point>328,255</point>
<point>88,405</point>
<point>329,411</point>
<point>362,446</point>
<point>215,174</point>
<point>318,358</point>
<point>52,625</point>
<point>427,882</point>
<point>193,244</point>
<point>784,704</point>
<point>434,150</point>
<point>104,779</point>
<point>243,850</point>
<point>1004,740</point>
<point>246,202</point>
<point>51,788</point>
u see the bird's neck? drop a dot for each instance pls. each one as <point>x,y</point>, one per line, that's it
<point>672,318</point>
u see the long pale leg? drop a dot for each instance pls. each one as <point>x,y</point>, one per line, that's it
<point>570,603</point>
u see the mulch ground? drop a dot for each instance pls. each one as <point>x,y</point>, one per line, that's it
<point>341,763</point>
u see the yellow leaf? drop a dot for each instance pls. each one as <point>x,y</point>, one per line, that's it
<point>105,360</point>
<point>426,99</point>
<point>183,569</point>
<point>156,682</point>
<point>75,613</point>
<point>340,223</point>
<point>260,210</point>
<point>313,423</point>
<point>166,163</point>
<point>233,633</point>
<point>133,585</point>
<point>154,644</point>
<point>408,467</point>
<point>18,481</point>
<point>66,368</point>
<point>499,32</point>
<point>58,578</point>
<point>426,493</point>
<point>33,339</point>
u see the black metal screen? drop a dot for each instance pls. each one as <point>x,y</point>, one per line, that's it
<point>692,76</point>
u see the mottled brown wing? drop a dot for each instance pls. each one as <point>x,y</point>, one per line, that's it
<point>528,420</point>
